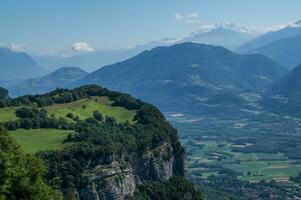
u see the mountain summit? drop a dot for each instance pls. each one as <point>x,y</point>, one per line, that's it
<point>227,35</point>
<point>187,74</point>
<point>57,79</point>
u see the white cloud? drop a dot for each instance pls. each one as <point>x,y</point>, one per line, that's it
<point>192,18</point>
<point>17,46</point>
<point>82,47</point>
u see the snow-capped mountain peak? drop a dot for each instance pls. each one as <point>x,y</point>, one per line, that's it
<point>225,25</point>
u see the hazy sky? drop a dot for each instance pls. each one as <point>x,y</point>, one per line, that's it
<point>39,25</point>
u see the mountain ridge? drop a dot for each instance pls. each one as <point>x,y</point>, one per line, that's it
<point>18,65</point>
<point>56,79</point>
<point>225,34</point>
<point>285,51</point>
<point>196,71</point>
<point>290,30</point>
<point>284,95</point>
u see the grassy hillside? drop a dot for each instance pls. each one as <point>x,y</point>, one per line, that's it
<point>7,114</point>
<point>84,108</point>
<point>70,131</point>
<point>35,140</point>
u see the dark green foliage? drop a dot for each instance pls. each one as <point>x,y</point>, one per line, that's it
<point>26,112</point>
<point>70,115</point>
<point>127,102</point>
<point>33,118</point>
<point>96,138</point>
<point>97,115</point>
<point>67,96</point>
<point>21,176</point>
<point>177,188</point>
<point>107,139</point>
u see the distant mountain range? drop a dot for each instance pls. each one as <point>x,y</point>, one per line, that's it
<point>283,46</point>
<point>17,65</point>
<point>57,79</point>
<point>290,30</point>
<point>284,97</point>
<point>186,76</point>
<point>285,51</point>
<point>228,35</point>
<point>87,61</point>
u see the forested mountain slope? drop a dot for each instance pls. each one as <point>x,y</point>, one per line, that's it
<point>92,152</point>
<point>186,76</point>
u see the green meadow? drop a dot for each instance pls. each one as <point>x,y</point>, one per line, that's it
<point>7,114</point>
<point>84,108</point>
<point>35,140</point>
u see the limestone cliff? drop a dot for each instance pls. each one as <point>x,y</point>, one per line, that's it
<point>119,179</point>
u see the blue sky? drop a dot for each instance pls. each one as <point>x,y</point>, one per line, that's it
<point>39,25</point>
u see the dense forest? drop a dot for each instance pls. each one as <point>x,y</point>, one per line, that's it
<point>98,140</point>
<point>21,176</point>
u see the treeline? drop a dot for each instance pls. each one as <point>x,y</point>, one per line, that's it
<point>177,188</point>
<point>98,140</point>
<point>33,118</point>
<point>21,176</point>
<point>60,96</point>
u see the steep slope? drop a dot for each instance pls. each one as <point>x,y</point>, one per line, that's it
<point>104,159</point>
<point>286,32</point>
<point>285,51</point>
<point>187,74</point>
<point>56,79</point>
<point>15,65</point>
<point>284,96</point>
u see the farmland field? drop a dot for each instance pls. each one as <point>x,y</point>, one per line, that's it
<point>35,140</point>
<point>258,151</point>
<point>212,156</point>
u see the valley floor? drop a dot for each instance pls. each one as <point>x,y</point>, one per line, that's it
<point>246,151</point>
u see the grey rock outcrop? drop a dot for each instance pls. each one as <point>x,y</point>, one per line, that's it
<point>119,179</point>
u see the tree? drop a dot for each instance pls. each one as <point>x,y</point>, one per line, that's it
<point>21,176</point>
<point>97,115</point>
<point>176,188</point>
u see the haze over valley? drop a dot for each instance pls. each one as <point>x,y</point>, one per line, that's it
<point>107,100</point>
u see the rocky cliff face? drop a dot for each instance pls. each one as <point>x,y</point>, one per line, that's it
<point>119,179</point>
